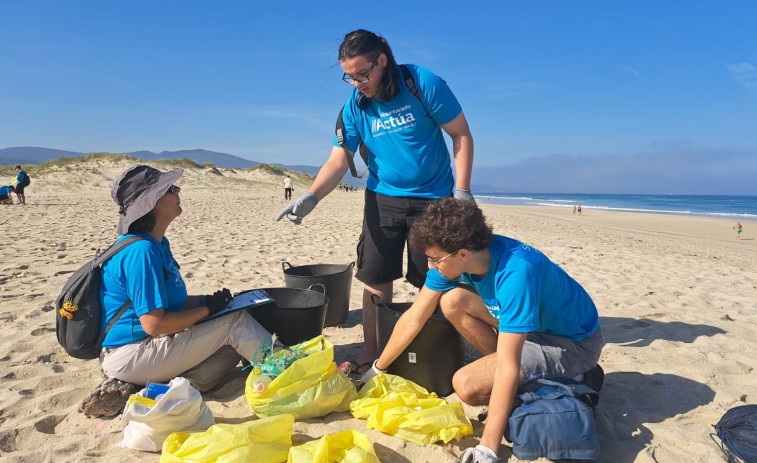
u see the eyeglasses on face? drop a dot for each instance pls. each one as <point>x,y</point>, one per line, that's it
<point>362,78</point>
<point>173,189</point>
<point>435,263</point>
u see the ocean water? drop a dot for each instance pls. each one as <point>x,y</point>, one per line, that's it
<point>733,207</point>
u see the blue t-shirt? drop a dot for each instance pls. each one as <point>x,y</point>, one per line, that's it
<point>5,190</point>
<point>409,156</point>
<point>528,293</point>
<point>146,273</point>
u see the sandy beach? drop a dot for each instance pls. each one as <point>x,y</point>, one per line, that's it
<point>676,297</point>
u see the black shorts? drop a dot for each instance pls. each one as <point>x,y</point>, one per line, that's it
<point>20,189</point>
<point>380,250</point>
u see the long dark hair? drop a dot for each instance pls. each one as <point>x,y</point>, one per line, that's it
<point>144,224</point>
<point>363,42</point>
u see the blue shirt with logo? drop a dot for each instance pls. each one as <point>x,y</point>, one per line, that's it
<point>409,156</point>
<point>146,273</point>
<point>528,293</point>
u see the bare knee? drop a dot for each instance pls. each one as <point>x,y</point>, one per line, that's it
<point>454,303</point>
<point>470,390</point>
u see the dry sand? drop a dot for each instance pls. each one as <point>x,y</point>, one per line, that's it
<point>676,298</point>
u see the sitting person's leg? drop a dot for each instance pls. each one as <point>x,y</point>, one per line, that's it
<point>470,317</point>
<point>159,359</point>
<point>210,371</point>
<point>547,356</point>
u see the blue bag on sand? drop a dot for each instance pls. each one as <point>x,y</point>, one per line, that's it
<point>737,430</point>
<point>556,421</point>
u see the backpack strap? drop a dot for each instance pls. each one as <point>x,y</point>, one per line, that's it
<point>362,149</point>
<point>101,259</point>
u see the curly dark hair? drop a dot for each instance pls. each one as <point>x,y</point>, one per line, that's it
<point>144,224</point>
<point>363,42</point>
<point>450,225</point>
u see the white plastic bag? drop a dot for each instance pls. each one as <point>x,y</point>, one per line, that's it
<point>181,408</point>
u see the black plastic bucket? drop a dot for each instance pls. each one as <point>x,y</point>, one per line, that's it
<point>336,278</point>
<point>432,358</point>
<point>296,314</point>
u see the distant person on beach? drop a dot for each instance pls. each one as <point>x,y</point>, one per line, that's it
<point>574,210</point>
<point>22,181</point>
<point>288,188</point>
<point>409,165</point>
<point>525,315</point>
<point>5,194</point>
<point>578,209</point>
<point>738,229</point>
<point>159,336</point>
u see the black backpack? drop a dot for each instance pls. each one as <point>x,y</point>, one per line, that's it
<point>77,320</point>
<point>362,149</point>
<point>737,430</point>
<point>27,180</point>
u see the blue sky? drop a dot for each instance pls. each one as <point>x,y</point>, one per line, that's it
<point>562,85</point>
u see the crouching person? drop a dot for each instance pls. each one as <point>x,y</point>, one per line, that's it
<point>525,315</point>
<point>5,194</point>
<point>160,336</point>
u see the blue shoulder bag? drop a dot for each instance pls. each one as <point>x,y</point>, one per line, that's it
<point>556,421</point>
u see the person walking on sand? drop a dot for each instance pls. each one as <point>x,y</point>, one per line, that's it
<point>574,210</point>
<point>578,209</point>
<point>738,229</point>
<point>409,165</point>
<point>288,187</point>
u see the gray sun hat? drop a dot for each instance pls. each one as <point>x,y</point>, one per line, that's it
<point>137,190</point>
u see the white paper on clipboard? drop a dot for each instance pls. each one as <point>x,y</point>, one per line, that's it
<point>243,301</point>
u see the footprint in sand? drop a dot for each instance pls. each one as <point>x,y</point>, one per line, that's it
<point>42,331</point>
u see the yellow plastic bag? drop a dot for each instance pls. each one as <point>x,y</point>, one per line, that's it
<point>311,387</point>
<point>266,440</point>
<point>401,408</point>
<point>340,447</point>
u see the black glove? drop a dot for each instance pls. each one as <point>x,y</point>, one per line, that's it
<point>218,300</point>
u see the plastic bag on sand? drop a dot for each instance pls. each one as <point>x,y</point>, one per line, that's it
<point>403,409</point>
<point>266,440</point>
<point>340,447</point>
<point>181,408</point>
<point>312,386</point>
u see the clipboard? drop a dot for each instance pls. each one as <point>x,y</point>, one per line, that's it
<point>244,300</point>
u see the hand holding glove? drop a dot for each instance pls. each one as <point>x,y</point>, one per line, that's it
<point>371,373</point>
<point>299,208</point>
<point>218,300</point>
<point>478,454</point>
<point>464,195</point>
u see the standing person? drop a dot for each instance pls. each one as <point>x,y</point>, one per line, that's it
<point>160,336</point>
<point>5,194</point>
<point>288,187</point>
<point>527,317</point>
<point>578,209</point>
<point>574,210</point>
<point>738,229</point>
<point>409,164</point>
<point>22,180</point>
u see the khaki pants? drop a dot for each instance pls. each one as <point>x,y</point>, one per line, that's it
<point>203,353</point>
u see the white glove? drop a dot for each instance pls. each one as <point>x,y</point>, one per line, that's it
<point>478,454</point>
<point>464,195</point>
<point>299,208</point>
<point>371,373</point>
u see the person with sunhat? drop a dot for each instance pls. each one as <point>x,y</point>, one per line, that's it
<point>159,336</point>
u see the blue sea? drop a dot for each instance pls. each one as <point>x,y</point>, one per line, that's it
<point>733,207</point>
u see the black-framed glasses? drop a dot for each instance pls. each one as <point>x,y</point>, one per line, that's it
<point>435,263</point>
<point>172,189</point>
<point>360,78</point>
